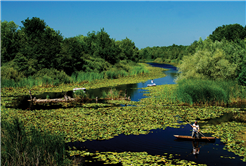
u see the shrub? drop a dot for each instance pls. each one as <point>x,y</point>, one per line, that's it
<point>50,75</point>
<point>242,77</point>
<point>9,73</point>
<point>158,60</point>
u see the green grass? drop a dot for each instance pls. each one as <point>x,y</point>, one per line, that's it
<point>78,77</point>
<point>22,147</point>
<point>207,91</point>
<point>112,94</point>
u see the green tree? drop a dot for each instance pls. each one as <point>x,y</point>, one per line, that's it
<point>40,42</point>
<point>102,46</point>
<point>128,50</point>
<point>207,65</point>
<point>10,44</point>
<point>230,32</point>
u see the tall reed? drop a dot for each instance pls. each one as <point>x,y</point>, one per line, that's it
<point>76,77</point>
<point>208,91</point>
<point>22,147</point>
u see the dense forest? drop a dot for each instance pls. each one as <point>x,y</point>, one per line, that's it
<point>35,51</point>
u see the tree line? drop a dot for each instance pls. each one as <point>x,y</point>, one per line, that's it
<point>35,48</point>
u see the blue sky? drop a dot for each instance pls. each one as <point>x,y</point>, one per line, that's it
<point>146,23</point>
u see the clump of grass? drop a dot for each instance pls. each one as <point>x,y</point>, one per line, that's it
<point>111,94</point>
<point>80,94</point>
<point>22,147</point>
<point>194,91</point>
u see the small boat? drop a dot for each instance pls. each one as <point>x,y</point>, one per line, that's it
<point>198,139</point>
<point>151,84</point>
<point>75,89</point>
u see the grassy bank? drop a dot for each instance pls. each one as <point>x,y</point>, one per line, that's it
<point>154,72</point>
<point>161,62</point>
<point>53,77</point>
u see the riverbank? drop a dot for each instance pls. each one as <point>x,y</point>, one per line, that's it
<point>153,61</point>
<point>154,72</point>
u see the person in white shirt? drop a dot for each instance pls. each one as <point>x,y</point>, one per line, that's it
<point>152,81</point>
<point>196,130</point>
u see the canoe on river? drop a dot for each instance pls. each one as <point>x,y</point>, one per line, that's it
<point>191,138</point>
<point>151,84</point>
<point>75,89</point>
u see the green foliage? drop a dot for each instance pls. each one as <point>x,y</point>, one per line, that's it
<point>40,42</point>
<point>128,50</point>
<point>10,44</point>
<point>112,94</point>
<point>166,54</point>
<point>209,62</point>
<point>159,60</point>
<point>52,75</point>
<point>95,65</point>
<point>80,94</point>
<point>231,32</point>
<point>9,73</point>
<point>24,65</point>
<point>196,91</point>
<point>222,60</point>
<point>100,45</point>
<point>36,48</point>
<point>87,76</point>
<point>242,77</point>
<point>21,147</point>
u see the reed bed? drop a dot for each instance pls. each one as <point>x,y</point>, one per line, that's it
<point>205,92</point>
<point>112,94</point>
<point>77,77</point>
<point>22,147</point>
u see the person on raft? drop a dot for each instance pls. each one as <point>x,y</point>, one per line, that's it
<point>196,130</point>
<point>152,81</point>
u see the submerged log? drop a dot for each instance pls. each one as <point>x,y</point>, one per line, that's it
<point>53,100</point>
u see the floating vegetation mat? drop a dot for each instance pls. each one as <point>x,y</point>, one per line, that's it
<point>134,158</point>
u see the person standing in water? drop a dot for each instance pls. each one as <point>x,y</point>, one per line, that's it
<point>196,130</point>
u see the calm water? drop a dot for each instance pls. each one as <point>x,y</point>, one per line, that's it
<point>162,141</point>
